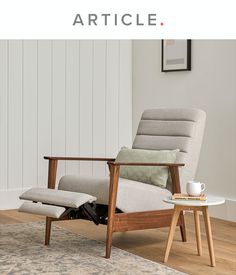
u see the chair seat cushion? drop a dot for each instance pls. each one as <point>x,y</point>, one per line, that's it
<point>133,196</point>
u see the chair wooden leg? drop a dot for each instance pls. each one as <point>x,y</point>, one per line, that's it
<point>198,232</point>
<point>182,227</point>
<point>209,234</point>
<point>109,240</point>
<point>174,172</point>
<point>174,221</point>
<point>114,178</point>
<point>48,230</point>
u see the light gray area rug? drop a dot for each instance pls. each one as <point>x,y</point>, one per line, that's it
<point>22,252</point>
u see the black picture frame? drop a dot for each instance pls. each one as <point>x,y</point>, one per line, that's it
<point>175,55</point>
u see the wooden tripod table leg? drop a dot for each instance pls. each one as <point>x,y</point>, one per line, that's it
<point>198,232</point>
<point>177,210</point>
<point>209,234</point>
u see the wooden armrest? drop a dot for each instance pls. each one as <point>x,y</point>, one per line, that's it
<point>79,158</point>
<point>53,161</point>
<point>173,167</point>
<point>145,164</point>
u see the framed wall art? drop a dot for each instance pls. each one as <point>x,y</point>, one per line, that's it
<point>176,55</point>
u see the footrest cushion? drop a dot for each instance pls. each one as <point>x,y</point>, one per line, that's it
<point>57,197</point>
<point>42,209</point>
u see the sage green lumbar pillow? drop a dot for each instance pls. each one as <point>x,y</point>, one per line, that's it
<point>156,175</point>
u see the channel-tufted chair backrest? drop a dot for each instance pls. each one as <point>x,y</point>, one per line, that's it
<point>169,129</point>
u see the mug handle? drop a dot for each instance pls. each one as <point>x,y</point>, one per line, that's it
<point>203,187</point>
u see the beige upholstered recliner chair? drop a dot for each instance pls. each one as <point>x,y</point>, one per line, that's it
<point>159,129</point>
<point>126,205</point>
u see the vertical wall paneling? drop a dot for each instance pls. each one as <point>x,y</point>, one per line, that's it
<point>15,115</point>
<point>99,99</point>
<point>44,107</point>
<point>112,98</point>
<point>59,102</point>
<point>125,97</point>
<point>3,114</point>
<point>60,98</point>
<point>30,113</point>
<point>86,112</point>
<point>72,104</point>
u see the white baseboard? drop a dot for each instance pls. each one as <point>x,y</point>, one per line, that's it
<point>10,200</point>
<point>226,211</point>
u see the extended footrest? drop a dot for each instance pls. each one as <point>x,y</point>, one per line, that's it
<point>56,203</point>
<point>57,197</point>
<point>42,209</point>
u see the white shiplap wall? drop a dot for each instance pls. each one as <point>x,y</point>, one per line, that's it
<point>60,98</point>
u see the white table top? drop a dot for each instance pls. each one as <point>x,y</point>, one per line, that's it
<point>211,200</point>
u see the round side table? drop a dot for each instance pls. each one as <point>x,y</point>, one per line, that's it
<point>195,206</point>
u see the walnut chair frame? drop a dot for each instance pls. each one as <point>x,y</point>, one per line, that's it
<point>120,222</point>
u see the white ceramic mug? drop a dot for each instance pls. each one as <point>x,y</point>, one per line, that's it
<point>195,188</point>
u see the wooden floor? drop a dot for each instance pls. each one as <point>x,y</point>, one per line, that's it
<point>150,244</point>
